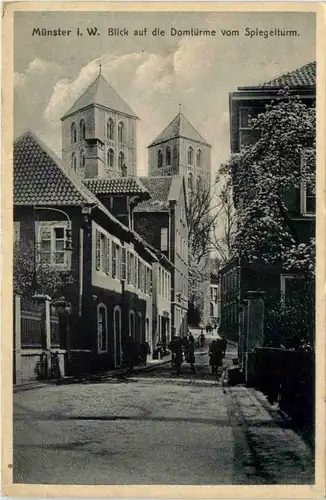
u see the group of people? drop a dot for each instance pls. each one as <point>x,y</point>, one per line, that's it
<point>135,352</point>
<point>183,348</point>
<point>216,353</point>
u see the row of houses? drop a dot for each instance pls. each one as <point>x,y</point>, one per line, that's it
<point>118,242</point>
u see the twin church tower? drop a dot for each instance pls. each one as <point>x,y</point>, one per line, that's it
<point>99,140</point>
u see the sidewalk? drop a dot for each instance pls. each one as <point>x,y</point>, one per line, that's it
<point>96,377</point>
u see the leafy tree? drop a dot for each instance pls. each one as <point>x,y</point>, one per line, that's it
<point>263,174</point>
<point>31,275</point>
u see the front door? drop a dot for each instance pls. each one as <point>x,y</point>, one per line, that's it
<point>117,337</point>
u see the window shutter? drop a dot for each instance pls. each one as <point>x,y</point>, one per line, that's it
<point>128,267</point>
<point>107,255</point>
<point>98,250</point>
<point>123,263</point>
<point>114,260</point>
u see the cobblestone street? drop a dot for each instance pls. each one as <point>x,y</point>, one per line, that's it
<point>154,428</point>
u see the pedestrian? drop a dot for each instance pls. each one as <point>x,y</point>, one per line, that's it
<point>191,355</point>
<point>175,347</point>
<point>144,350</point>
<point>224,344</point>
<point>215,355</point>
<point>202,339</point>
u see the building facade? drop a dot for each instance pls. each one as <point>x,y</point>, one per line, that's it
<point>238,278</point>
<point>162,221</point>
<point>109,267</point>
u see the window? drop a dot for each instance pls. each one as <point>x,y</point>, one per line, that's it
<point>168,155</point>
<point>110,129</point>
<point>132,324</point>
<point>82,159</point>
<point>159,158</point>
<point>82,130</point>
<point>123,264</point>
<point>52,245</point>
<point>110,158</point>
<point>211,309</point>
<point>198,158</point>
<point>114,260</point>
<point>117,336</point>
<point>199,183</point>
<point>73,133</point>
<point>164,239</point>
<point>190,181</point>
<point>121,160</point>
<point>74,161</point>
<point>102,327</point>
<point>120,132</point>
<point>136,273</point>
<point>247,135</point>
<point>307,189</point>
<point>291,287</point>
<point>190,156</point>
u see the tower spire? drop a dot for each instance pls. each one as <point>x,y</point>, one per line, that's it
<point>100,69</point>
<point>180,107</point>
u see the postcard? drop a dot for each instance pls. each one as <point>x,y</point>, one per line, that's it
<point>163,191</point>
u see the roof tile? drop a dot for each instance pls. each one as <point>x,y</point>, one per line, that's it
<point>118,185</point>
<point>180,126</point>
<point>301,77</point>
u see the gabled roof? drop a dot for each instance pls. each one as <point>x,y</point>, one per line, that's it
<point>162,190</point>
<point>118,186</point>
<point>180,126</point>
<point>41,178</point>
<point>301,77</point>
<point>101,93</point>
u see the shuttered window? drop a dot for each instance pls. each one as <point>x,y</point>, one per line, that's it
<point>98,250</point>
<point>123,263</point>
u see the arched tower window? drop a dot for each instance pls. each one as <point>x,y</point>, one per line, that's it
<point>168,155</point>
<point>82,130</point>
<point>190,156</point>
<point>110,129</point>
<point>120,132</point>
<point>190,181</point>
<point>199,182</point>
<point>159,158</point>
<point>73,133</point>
<point>82,159</point>
<point>110,158</point>
<point>198,158</point>
<point>121,160</point>
<point>74,161</point>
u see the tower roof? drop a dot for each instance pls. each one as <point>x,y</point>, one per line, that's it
<point>101,93</point>
<point>180,126</point>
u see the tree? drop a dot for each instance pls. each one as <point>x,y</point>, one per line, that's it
<point>222,238</point>
<point>31,275</point>
<point>264,174</point>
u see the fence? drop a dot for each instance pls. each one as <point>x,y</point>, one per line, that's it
<point>287,376</point>
<point>37,353</point>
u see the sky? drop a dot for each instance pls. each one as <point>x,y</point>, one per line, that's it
<point>153,74</point>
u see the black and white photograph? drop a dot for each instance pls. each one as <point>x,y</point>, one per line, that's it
<point>164,247</point>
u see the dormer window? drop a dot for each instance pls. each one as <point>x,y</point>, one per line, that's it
<point>74,161</point>
<point>82,130</point>
<point>190,156</point>
<point>110,129</point>
<point>121,160</point>
<point>168,155</point>
<point>82,159</point>
<point>120,132</point>
<point>110,158</point>
<point>198,158</point>
<point>73,133</point>
<point>159,158</point>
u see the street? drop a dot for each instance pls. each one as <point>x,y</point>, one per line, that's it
<point>154,428</point>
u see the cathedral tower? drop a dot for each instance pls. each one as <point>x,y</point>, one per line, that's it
<point>99,133</point>
<point>180,150</point>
